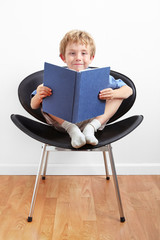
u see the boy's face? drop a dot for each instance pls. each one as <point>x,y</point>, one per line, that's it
<point>77,56</point>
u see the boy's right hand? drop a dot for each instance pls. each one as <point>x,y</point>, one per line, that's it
<point>43,91</point>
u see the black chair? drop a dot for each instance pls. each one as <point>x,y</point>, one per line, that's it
<point>54,140</point>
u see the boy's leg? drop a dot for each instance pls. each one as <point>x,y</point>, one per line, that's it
<point>78,139</point>
<point>110,109</point>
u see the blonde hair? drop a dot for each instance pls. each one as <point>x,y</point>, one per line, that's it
<point>77,36</point>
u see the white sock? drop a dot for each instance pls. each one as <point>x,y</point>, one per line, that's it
<point>89,131</point>
<point>77,137</point>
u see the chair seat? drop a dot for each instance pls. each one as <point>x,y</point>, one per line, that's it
<point>48,135</point>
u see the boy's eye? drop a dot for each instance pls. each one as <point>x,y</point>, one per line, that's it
<point>71,53</point>
<point>84,53</point>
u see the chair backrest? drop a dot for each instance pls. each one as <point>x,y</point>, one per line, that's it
<point>30,83</point>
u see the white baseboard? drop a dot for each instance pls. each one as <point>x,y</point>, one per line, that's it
<point>80,169</point>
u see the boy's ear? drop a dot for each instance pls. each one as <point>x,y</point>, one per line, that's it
<point>91,58</point>
<point>62,57</point>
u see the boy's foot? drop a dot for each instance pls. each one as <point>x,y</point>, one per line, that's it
<point>77,137</point>
<point>89,131</point>
<point>89,135</point>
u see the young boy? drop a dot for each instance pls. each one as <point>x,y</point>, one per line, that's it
<point>77,50</point>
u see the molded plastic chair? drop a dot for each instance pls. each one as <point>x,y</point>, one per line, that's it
<point>54,140</point>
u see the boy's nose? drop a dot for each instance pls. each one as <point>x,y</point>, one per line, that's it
<point>78,57</point>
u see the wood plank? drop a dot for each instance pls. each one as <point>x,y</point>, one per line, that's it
<point>80,207</point>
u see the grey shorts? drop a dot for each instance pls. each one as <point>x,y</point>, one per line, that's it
<point>59,128</point>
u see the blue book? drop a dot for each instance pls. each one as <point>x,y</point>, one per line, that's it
<point>74,94</point>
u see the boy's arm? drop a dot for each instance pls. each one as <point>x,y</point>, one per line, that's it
<point>120,93</point>
<point>41,93</point>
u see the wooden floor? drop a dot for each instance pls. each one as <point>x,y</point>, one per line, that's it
<point>80,208</point>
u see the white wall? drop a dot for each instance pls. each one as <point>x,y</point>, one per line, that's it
<point>128,39</point>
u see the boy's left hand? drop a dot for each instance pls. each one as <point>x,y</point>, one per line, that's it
<point>106,94</point>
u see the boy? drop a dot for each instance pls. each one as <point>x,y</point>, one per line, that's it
<point>77,50</point>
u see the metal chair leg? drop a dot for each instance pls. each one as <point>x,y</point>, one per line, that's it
<point>37,183</point>
<point>45,166</point>
<point>122,218</point>
<point>105,164</point>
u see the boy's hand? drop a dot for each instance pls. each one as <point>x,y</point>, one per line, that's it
<point>106,94</point>
<point>43,91</point>
<point>120,93</point>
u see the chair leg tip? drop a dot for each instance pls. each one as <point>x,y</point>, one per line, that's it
<point>29,219</point>
<point>108,178</point>
<point>122,219</point>
<point>43,178</point>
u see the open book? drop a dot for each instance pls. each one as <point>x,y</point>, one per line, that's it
<point>74,94</point>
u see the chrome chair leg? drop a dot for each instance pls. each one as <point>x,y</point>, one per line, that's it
<point>37,183</point>
<point>45,166</point>
<point>105,164</point>
<point>122,218</point>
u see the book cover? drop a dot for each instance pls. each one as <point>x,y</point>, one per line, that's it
<point>74,94</point>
